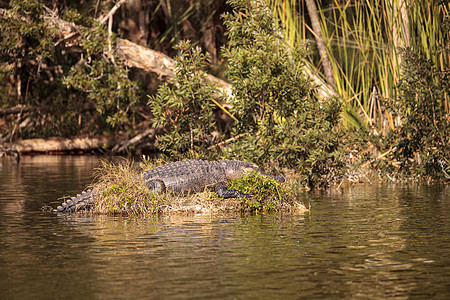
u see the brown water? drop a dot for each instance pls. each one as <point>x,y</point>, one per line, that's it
<point>370,241</point>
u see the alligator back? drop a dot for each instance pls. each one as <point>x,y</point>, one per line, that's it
<point>196,175</point>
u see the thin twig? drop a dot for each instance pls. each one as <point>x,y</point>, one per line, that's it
<point>112,11</point>
<point>227,141</point>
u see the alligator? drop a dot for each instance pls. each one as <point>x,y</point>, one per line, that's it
<point>182,177</point>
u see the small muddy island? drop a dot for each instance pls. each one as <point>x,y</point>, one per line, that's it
<point>169,188</point>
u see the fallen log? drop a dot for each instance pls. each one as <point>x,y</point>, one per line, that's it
<point>148,134</point>
<point>59,144</point>
<point>136,56</point>
<point>117,144</point>
<point>132,55</point>
<point>16,110</point>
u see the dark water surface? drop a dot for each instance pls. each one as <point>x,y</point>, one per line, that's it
<point>369,241</point>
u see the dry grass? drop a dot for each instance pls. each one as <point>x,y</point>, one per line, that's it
<point>118,191</point>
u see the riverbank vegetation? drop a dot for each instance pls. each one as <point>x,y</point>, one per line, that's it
<point>332,92</point>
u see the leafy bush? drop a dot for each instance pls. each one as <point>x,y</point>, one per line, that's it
<point>281,121</point>
<point>26,49</point>
<point>23,34</point>
<point>56,80</point>
<point>185,107</point>
<point>105,83</point>
<point>422,139</point>
<point>267,194</point>
<point>285,122</point>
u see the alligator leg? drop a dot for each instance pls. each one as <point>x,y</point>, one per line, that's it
<point>156,185</point>
<point>83,201</point>
<point>222,191</point>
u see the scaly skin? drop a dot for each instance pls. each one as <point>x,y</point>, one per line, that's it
<point>188,176</point>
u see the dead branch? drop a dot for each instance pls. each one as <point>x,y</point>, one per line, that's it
<point>57,144</point>
<point>136,56</point>
<point>112,11</point>
<point>149,134</point>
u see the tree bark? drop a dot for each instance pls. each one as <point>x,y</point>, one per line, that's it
<point>312,12</point>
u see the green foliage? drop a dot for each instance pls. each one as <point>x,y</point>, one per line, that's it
<point>186,106</point>
<point>105,82</point>
<point>25,50</point>
<point>285,123</point>
<point>422,139</point>
<point>38,71</point>
<point>267,194</point>
<point>31,67</point>
<point>23,34</point>
<point>280,120</point>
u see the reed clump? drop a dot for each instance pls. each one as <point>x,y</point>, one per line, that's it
<point>120,191</point>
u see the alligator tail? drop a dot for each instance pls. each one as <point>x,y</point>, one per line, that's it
<point>82,202</point>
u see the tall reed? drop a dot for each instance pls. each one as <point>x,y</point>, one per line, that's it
<point>363,39</point>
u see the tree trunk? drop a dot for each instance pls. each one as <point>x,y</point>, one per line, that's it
<point>312,12</point>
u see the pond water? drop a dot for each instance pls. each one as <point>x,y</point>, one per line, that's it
<point>364,241</point>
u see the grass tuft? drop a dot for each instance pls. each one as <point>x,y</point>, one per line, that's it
<point>120,191</point>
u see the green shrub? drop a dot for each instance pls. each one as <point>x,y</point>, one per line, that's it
<point>275,103</point>
<point>24,35</point>
<point>185,107</point>
<point>49,75</point>
<point>422,139</point>
<point>267,194</point>
<point>280,120</point>
<point>102,80</point>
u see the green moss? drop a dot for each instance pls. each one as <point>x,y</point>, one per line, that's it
<point>267,194</point>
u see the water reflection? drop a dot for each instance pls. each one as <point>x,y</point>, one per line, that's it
<point>372,239</point>
<point>199,256</point>
<point>377,241</point>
